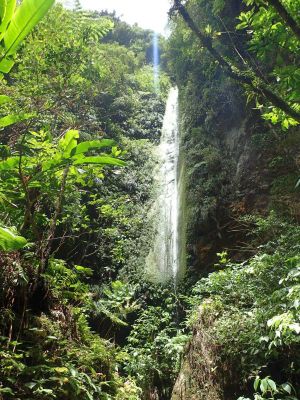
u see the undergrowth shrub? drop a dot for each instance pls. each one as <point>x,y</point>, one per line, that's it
<point>253,308</point>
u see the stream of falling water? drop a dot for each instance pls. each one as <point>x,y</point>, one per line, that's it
<point>163,259</point>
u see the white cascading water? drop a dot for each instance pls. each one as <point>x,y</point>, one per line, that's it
<point>163,259</point>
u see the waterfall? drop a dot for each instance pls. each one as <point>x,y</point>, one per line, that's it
<point>163,259</point>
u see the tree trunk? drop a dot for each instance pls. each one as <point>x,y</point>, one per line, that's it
<point>285,16</point>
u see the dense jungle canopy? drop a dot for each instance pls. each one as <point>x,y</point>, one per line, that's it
<point>107,289</point>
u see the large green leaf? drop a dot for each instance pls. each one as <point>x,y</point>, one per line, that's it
<point>7,11</point>
<point>54,162</point>
<point>27,15</point>
<point>13,119</point>
<point>68,142</point>
<point>9,164</point>
<point>102,160</point>
<point>9,241</point>
<point>5,99</point>
<point>2,9</point>
<point>90,145</point>
<point>6,65</point>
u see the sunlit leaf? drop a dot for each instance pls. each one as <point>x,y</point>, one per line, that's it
<point>5,99</point>
<point>102,160</point>
<point>287,388</point>
<point>69,142</point>
<point>27,15</point>
<point>9,164</point>
<point>9,241</point>
<point>90,145</point>
<point>13,119</point>
<point>8,8</point>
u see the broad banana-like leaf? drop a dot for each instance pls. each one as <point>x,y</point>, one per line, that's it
<point>27,15</point>
<point>101,160</point>
<point>73,154</point>
<point>4,99</point>
<point>68,142</point>
<point>9,241</point>
<point>90,145</point>
<point>13,119</point>
<point>60,162</point>
<point>2,9</point>
<point>7,11</point>
<point>6,65</point>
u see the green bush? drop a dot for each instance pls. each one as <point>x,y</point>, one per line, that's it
<point>254,306</point>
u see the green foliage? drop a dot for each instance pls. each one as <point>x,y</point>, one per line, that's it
<point>206,170</point>
<point>66,283</point>
<point>16,24</point>
<point>9,241</point>
<point>156,343</point>
<point>245,315</point>
<point>84,225</point>
<point>145,80</point>
<point>254,308</point>
<point>52,367</point>
<point>65,153</point>
<point>268,389</point>
<point>273,61</point>
<point>116,303</point>
<point>42,160</point>
<point>277,47</point>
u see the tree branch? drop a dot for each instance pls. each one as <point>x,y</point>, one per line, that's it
<point>248,77</point>
<point>46,248</point>
<point>285,16</point>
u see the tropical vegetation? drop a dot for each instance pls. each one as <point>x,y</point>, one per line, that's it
<point>80,120</point>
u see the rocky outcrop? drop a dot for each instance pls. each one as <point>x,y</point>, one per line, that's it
<point>241,170</point>
<point>201,376</point>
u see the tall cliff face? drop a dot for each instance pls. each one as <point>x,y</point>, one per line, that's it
<point>238,167</point>
<point>236,162</point>
<point>227,173</point>
<point>226,177</point>
<point>199,377</point>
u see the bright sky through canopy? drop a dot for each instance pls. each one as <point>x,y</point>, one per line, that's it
<point>149,14</point>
